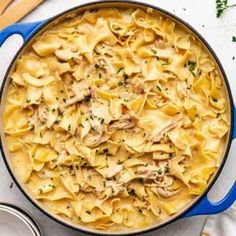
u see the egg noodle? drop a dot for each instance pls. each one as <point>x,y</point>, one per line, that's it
<point>116,118</point>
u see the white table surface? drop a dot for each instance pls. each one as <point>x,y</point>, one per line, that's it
<point>217,31</point>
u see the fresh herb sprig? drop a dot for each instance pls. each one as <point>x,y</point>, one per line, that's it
<point>191,67</point>
<point>222,5</point>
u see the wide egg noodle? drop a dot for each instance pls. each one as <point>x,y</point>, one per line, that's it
<point>116,119</point>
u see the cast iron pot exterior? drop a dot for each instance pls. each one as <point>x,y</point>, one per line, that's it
<point>30,30</point>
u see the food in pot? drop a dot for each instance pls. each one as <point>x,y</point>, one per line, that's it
<point>116,118</point>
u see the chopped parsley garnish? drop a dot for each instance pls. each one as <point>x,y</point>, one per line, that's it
<point>234,39</point>
<point>191,67</point>
<point>64,100</point>
<point>61,114</point>
<point>158,87</point>
<point>166,63</point>
<point>132,192</point>
<point>88,212</point>
<point>69,127</point>
<point>119,70</point>
<point>171,155</point>
<point>104,184</point>
<point>166,169</point>
<point>100,76</point>
<point>124,82</point>
<point>105,150</point>
<point>215,100</point>
<point>28,100</point>
<point>153,51</point>
<point>120,83</point>
<point>96,66</point>
<point>222,5</point>
<point>119,162</point>
<point>140,179</point>
<point>52,186</point>
<point>159,171</point>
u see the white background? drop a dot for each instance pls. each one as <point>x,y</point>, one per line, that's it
<point>217,31</point>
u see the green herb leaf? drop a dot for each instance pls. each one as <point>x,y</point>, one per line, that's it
<point>119,70</point>
<point>222,5</point>
<point>140,179</point>
<point>191,67</point>
<point>105,150</point>
<point>166,63</point>
<point>158,87</point>
<point>234,39</point>
<point>153,51</point>
<point>132,192</point>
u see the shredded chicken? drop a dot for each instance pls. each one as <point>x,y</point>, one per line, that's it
<point>151,172</point>
<point>156,136</point>
<point>125,122</point>
<point>67,54</point>
<point>159,43</point>
<point>43,113</point>
<point>61,156</point>
<point>182,89</point>
<point>138,85</point>
<point>79,91</point>
<point>94,139</point>
<point>164,192</point>
<point>166,181</point>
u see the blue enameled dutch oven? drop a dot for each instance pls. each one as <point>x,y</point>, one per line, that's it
<point>201,205</point>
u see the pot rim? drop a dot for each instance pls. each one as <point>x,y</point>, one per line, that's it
<point>177,19</point>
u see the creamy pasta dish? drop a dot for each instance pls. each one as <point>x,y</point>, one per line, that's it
<point>116,119</point>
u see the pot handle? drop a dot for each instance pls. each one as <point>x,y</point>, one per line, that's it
<point>24,29</point>
<point>205,207</point>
